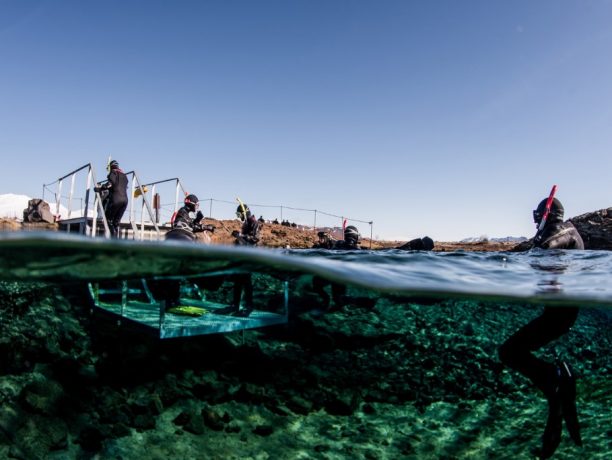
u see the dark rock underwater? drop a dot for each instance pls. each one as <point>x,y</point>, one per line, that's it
<point>385,377</point>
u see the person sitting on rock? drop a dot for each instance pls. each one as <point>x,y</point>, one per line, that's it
<point>556,381</point>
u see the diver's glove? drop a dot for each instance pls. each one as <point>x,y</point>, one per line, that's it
<point>199,217</point>
<point>209,228</point>
<point>235,233</point>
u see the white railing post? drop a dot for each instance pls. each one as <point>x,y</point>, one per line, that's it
<point>176,197</point>
<point>58,198</point>
<point>71,195</point>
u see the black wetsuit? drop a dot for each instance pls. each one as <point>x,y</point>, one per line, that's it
<point>250,233</point>
<point>338,291</point>
<point>559,235</point>
<point>517,351</point>
<point>184,227</point>
<point>418,244</point>
<point>249,236</point>
<point>328,244</point>
<point>346,245</point>
<point>118,200</point>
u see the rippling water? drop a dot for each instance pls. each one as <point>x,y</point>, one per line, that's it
<point>566,277</point>
<point>418,341</point>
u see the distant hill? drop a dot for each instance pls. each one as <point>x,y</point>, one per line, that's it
<point>505,239</point>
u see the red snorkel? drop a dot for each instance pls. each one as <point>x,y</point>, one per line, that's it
<point>547,209</point>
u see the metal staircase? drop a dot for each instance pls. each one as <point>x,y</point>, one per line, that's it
<point>140,222</point>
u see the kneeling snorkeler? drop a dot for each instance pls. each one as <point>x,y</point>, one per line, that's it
<point>557,381</point>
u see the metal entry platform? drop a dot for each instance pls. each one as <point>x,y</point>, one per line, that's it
<point>135,307</point>
<point>127,230</point>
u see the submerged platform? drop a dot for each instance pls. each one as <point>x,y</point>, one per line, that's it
<point>136,307</point>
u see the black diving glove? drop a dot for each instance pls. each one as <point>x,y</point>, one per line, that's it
<point>209,228</point>
<point>199,217</point>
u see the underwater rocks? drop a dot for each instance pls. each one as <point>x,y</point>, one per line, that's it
<point>378,377</point>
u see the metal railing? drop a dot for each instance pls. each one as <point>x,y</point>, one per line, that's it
<point>92,208</point>
<point>147,215</point>
<point>165,210</point>
<point>86,200</point>
<point>139,191</point>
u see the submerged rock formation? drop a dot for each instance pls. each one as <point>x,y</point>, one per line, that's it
<point>380,377</point>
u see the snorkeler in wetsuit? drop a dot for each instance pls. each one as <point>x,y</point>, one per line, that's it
<point>184,227</point>
<point>118,198</point>
<point>249,235</point>
<point>338,291</point>
<point>351,240</point>
<point>556,381</point>
<point>325,241</point>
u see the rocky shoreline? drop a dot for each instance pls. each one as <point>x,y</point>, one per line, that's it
<point>594,227</point>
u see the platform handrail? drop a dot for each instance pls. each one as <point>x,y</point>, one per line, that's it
<point>178,190</point>
<point>136,185</point>
<point>90,186</point>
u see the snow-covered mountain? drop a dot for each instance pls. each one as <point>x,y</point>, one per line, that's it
<point>12,205</point>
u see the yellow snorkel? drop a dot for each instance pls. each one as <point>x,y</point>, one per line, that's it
<point>242,207</point>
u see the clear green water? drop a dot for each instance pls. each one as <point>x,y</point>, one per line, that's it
<point>414,344</point>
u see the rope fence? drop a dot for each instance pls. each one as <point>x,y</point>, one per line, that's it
<point>304,218</point>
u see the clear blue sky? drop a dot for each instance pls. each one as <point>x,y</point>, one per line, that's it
<point>442,118</point>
